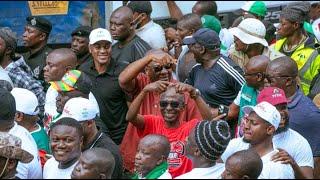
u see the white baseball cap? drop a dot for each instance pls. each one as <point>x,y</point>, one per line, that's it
<point>80,109</point>
<point>26,101</point>
<point>250,31</point>
<point>99,34</point>
<point>266,111</point>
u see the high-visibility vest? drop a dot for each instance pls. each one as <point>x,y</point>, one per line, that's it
<point>307,59</point>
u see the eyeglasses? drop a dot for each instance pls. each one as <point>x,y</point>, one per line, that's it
<point>252,74</point>
<point>159,68</point>
<point>173,104</point>
<point>274,77</point>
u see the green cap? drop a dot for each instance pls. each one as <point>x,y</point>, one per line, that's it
<point>255,7</point>
<point>211,22</point>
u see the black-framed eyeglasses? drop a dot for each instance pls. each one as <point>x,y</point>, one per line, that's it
<point>173,104</point>
<point>252,74</point>
<point>159,68</point>
<point>275,77</point>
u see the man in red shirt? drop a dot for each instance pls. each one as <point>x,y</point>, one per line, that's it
<point>157,65</point>
<point>172,102</point>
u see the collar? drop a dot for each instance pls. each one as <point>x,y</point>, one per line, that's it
<point>109,71</point>
<point>295,99</point>
<point>146,26</point>
<point>155,173</point>
<point>39,51</point>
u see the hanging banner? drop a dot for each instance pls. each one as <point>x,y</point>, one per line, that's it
<point>48,7</point>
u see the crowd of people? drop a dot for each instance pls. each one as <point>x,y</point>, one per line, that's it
<point>138,100</point>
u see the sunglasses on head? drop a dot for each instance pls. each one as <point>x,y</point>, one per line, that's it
<point>159,68</point>
<point>173,104</point>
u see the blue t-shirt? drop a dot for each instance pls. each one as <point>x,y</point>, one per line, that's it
<point>304,117</point>
<point>219,84</point>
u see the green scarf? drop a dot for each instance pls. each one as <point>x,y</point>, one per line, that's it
<point>155,173</point>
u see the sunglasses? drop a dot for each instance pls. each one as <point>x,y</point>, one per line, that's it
<point>252,74</point>
<point>159,68</point>
<point>173,104</point>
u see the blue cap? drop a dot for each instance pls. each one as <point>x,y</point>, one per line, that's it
<point>205,37</point>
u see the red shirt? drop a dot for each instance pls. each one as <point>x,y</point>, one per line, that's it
<point>178,163</point>
<point>150,105</point>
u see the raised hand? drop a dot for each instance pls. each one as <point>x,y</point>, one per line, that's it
<point>158,86</point>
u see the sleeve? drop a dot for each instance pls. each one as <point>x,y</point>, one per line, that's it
<point>231,148</point>
<point>304,155</point>
<point>150,125</point>
<point>141,48</point>
<point>190,79</point>
<point>140,82</point>
<point>236,81</point>
<point>237,100</point>
<point>160,40</point>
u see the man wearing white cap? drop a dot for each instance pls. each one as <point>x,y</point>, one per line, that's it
<point>261,123</point>
<point>86,113</point>
<point>103,72</point>
<point>27,116</point>
<point>249,41</point>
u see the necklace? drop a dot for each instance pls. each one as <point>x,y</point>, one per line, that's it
<point>94,143</point>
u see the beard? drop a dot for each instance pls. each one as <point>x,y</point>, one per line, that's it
<point>284,128</point>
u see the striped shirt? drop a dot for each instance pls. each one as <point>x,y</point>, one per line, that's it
<point>219,84</point>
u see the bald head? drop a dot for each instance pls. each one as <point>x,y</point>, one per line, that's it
<point>102,160</point>
<point>159,142</point>
<point>284,66</point>
<point>65,56</point>
<point>258,63</point>
<point>124,13</point>
<point>58,62</point>
<point>245,163</point>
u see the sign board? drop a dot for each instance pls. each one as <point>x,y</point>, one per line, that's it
<point>48,7</point>
<point>65,16</point>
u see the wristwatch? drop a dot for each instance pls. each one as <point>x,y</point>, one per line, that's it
<point>196,94</point>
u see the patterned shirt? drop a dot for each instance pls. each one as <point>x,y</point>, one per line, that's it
<point>22,77</point>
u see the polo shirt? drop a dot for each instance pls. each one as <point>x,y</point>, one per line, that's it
<point>110,97</point>
<point>304,117</point>
<point>103,141</point>
<point>219,84</point>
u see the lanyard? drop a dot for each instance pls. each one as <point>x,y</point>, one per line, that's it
<point>94,143</point>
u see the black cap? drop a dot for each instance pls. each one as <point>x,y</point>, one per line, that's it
<point>40,23</point>
<point>205,37</point>
<point>83,31</point>
<point>7,105</point>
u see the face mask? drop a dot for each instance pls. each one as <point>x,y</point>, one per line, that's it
<point>137,22</point>
<point>4,168</point>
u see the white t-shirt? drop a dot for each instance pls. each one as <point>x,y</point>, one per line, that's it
<point>213,172</point>
<point>165,175</point>
<point>50,105</point>
<point>51,170</point>
<point>301,152</point>
<point>31,170</point>
<point>271,170</point>
<point>153,34</point>
<point>275,170</point>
